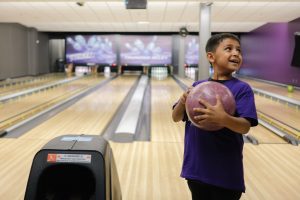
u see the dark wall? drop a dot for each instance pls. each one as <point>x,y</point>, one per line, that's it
<point>43,53</point>
<point>5,50</point>
<point>268,52</point>
<point>13,50</point>
<point>20,53</point>
<point>32,51</point>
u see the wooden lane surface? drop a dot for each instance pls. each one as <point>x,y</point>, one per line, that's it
<point>17,106</point>
<point>26,78</point>
<point>15,161</point>
<point>90,115</point>
<point>284,113</point>
<point>37,82</point>
<point>273,88</point>
<point>187,81</point>
<point>163,95</point>
<point>150,170</point>
<point>272,171</point>
<point>264,136</point>
<point>10,80</point>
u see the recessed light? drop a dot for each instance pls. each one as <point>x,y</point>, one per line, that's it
<point>143,22</point>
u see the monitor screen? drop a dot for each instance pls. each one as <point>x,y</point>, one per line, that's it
<point>145,50</point>
<point>192,50</point>
<point>99,49</point>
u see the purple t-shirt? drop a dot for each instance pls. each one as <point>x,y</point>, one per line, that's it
<point>216,157</point>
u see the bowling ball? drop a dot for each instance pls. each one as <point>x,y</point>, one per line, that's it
<point>208,91</point>
<point>290,88</point>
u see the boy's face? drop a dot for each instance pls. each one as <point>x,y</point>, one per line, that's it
<point>227,57</point>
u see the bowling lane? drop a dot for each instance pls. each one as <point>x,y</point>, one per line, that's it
<point>150,170</point>
<point>15,161</point>
<point>265,136</point>
<point>159,162</point>
<point>284,113</point>
<point>272,172</point>
<point>287,115</point>
<point>14,80</point>
<point>187,81</point>
<point>90,115</point>
<point>10,110</point>
<point>280,90</point>
<point>164,94</point>
<point>36,82</point>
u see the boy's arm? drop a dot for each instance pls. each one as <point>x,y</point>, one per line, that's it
<point>216,114</point>
<point>178,112</point>
<point>237,124</point>
<point>179,109</point>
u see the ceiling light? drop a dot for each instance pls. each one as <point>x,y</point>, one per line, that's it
<point>143,22</point>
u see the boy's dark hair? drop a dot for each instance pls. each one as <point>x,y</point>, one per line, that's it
<point>215,40</point>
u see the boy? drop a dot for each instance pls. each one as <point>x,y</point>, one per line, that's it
<point>213,160</point>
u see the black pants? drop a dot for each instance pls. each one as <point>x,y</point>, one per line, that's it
<point>202,191</point>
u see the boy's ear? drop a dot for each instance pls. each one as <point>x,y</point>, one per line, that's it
<point>210,57</point>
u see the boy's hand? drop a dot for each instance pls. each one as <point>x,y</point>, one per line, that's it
<point>212,114</point>
<point>179,109</point>
<point>183,97</point>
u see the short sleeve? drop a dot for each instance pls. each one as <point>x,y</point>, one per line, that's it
<point>245,105</point>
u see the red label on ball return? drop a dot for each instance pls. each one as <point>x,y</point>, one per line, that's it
<point>69,158</point>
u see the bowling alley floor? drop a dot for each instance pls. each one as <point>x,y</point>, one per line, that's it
<point>147,170</point>
<point>150,170</point>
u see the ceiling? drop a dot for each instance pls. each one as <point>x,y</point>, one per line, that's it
<point>160,16</point>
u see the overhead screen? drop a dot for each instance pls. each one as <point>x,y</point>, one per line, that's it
<point>99,49</point>
<point>192,50</point>
<point>145,50</point>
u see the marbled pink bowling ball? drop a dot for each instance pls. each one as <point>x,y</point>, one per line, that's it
<point>208,91</point>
